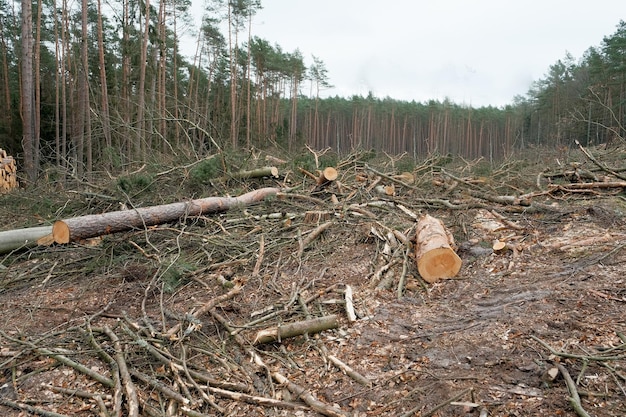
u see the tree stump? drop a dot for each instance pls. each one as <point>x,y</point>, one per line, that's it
<point>434,253</point>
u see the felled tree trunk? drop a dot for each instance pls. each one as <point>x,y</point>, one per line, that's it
<point>433,250</point>
<point>23,238</point>
<point>84,227</point>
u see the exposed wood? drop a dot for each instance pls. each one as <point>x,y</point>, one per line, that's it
<point>22,238</point>
<point>308,398</point>
<point>328,174</point>
<point>349,371</point>
<point>433,250</point>
<point>299,328</point>
<point>8,173</point>
<point>304,243</point>
<point>350,304</point>
<point>498,245</point>
<point>84,227</point>
<point>256,173</point>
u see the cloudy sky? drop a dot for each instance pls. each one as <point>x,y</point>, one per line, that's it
<point>478,52</point>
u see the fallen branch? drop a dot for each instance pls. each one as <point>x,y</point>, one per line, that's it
<point>206,307</point>
<point>350,372</point>
<point>34,410</point>
<point>349,303</point>
<point>255,399</point>
<point>598,163</point>
<point>574,398</point>
<point>312,236</point>
<point>307,397</point>
<point>64,360</point>
<point>131,393</point>
<point>299,328</point>
<point>255,173</point>
<point>438,406</point>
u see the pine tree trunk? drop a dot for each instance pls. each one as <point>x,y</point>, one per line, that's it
<point>84,227</point>
<point>27,92</point>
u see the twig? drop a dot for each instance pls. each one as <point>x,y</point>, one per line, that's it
<point>64,360</point>
<point>204,395</point>
<point>29,408</point>
<point>572,356</point>
<point>574,398</point>
<point>259,261</point>
<point>208,306</point>
<point>115,372</point>
<point>438,406</point>
<point>255,399</point>
<point>350,372</point>
<point>308,398</point>
<point>131,392</point>
<point>380,272</point>
<point>405,269</point>
<point>312,236</point>
<point>598,163</point>
<point>392,179</point>
<point>162,388</point>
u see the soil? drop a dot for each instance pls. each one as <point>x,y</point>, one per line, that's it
<point>495,340</point>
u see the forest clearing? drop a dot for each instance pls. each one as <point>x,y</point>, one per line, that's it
<point>308,301</point>
<point>192,225</point>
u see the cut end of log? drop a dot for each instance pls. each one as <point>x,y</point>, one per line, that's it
<point>498,245</point>
<point>8,173</point>
<point>60,232</point>
<point>439,264</point>
<point>327,175</point>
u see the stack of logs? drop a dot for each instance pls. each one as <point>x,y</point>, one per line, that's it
<point>8,173</point>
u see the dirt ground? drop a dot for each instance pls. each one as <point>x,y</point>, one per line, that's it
<point>501,338</point>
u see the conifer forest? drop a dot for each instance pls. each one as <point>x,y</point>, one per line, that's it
<point>86,86</point>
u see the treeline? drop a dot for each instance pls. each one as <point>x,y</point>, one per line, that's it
<point>87,86</point>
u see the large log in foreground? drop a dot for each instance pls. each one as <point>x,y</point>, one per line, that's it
<point>433,250</point>
<point>84,227</point>
<point>22,238</point>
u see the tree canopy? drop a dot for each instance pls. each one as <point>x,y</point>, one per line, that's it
<point>86,86</point>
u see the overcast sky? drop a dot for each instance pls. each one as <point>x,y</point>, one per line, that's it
<point>478,52</point>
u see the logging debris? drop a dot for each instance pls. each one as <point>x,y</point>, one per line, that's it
<point>179,304</point>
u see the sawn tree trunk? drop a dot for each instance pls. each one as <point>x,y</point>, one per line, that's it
<point>84,227</point>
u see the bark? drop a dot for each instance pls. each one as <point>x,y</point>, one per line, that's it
<point>28,92</point>
<point>316,325</point>
<point>22,238</point>
<point>327,175</point>
<point>433,250</point>
<point>84,227</point>
<point>255,173</point>
<point>106,123</point>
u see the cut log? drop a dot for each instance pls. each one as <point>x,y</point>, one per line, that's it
<point>299,328</point>
<point>327,175</point>
<point>84,227</point>
<point>8,173</point>
<point>22,238</point>
<point>256,173</point>
<point>433,250</point>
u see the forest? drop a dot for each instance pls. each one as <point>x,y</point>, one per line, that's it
<point>92,86</point>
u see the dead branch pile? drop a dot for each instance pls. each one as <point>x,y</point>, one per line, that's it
<point>218,324</point>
